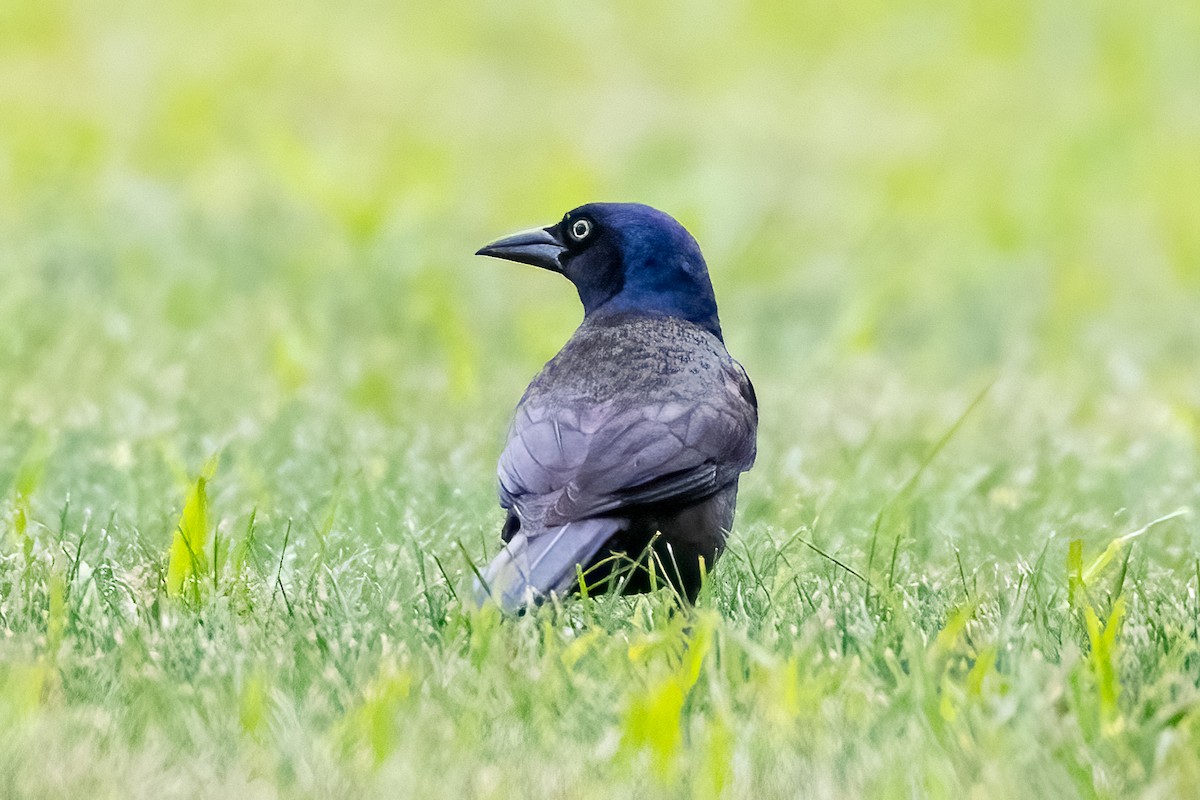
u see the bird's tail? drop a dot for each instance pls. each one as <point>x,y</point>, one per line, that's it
<point>529,568</point>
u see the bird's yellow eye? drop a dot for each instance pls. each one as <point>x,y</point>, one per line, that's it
<point>580,229</point>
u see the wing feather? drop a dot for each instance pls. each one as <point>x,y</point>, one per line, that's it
<point>567,466</point>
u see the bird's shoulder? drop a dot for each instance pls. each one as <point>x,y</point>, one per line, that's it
<point>651,358</point>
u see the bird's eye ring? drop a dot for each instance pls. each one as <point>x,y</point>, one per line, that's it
<point>580,229</point>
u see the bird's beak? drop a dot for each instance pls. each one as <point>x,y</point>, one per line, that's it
<point>537,246</point>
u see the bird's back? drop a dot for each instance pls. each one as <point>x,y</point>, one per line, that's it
<point>633,410</point>
<point>635,360</point>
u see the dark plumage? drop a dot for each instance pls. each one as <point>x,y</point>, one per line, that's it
<point>636,432</point>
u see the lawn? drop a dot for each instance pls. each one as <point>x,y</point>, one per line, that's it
<point>253,384</point>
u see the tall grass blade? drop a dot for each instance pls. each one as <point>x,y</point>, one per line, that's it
<point>186,560</point>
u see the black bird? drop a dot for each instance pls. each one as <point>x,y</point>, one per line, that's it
<point>627,447</point>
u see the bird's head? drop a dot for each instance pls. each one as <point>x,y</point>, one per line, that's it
<point>622,258</point>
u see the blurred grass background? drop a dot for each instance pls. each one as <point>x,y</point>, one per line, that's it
<point>247,229</point>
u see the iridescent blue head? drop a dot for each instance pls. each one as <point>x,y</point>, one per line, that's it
<point>623,258</point>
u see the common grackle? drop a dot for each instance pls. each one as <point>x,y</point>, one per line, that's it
<point>624,455</point>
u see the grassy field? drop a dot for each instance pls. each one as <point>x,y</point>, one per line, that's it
<point>957,247</point>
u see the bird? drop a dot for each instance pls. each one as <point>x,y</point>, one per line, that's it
<point>622,462</point>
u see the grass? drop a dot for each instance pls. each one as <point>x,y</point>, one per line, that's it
<point>253,386</point>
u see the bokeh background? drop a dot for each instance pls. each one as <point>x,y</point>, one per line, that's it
<point>247,229</point>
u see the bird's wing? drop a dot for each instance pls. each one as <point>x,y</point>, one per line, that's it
<point>564,463</point>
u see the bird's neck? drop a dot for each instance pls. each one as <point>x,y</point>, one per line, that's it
<point>697,309</point>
